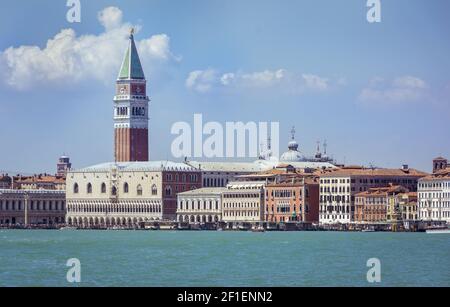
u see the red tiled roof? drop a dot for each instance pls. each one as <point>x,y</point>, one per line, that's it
<point>383,191</point>
<point>439,175</point>
<point>362,171</point>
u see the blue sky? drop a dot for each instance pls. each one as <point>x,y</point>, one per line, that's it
<point>378,93</point>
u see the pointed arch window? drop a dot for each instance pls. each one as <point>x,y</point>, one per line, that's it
<point>168,191</point>
<point>114,191</point>
<point>75,188</point>
<point>125,187</point>
<point>139,190</point>
<point>89,188</point>
<point>154,190</point>
<point>103,189</point>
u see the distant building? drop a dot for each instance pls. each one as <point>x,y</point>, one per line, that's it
<point>31,207</point>
<point>440,164</point>
<point>434,193</point>
<point>63,166</point>
<point>200,206</point>
<point>338,188</point>
<point>294,155</point>
<point>5,181</point>
<point>218,174</point>
<point>39,182</point>
<point>127,193</point>
<point>374,205</point>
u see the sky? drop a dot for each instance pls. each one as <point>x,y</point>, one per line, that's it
<point>378,93</point>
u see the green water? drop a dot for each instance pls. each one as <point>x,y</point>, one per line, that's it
<point>158,258</point>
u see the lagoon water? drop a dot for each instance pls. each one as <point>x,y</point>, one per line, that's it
<point>209,258</point>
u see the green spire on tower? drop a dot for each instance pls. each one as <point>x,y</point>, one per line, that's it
<point>131,66</point>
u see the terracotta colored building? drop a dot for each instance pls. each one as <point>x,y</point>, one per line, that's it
<point>39,182</point>
<point>293,200</point>
<point>371,206</point>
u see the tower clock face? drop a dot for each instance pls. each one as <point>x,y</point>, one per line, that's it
<point>122,89</point>
<point>138,89</point>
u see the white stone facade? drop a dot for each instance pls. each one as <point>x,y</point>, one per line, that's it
<point>125,194</point>
<point>243,202</point>
<point>200,206</point>
<point>434,199</point>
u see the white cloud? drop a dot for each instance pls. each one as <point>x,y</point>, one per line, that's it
<point>315,82</point>
<point>207,80</point>
<point>157,46</point>
<point>401,89</point>
<point>263,78</point>
<point>201,80</point>
<point>409,82</point>
<point>68,57</point>
<point>110,18</point>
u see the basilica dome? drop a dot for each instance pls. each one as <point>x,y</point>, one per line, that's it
<point>293,154</point>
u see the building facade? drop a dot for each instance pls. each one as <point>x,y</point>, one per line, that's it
<point>243,202</point>
<point>126,194</point>
<point>32,207</point>
<point>200,206</point>
<point>292,200</point>
<point>434,196</point>
<point>406,210</point>
<point>339,187</point>
<point>131,109</point>
<point>378,205</point>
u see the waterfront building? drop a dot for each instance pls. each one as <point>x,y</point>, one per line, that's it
<point>63,166</point>
<point>404,210</point>
<point>31,207</point>
<point>131,109</point>
<point>338,188</point>
<point>294,199</point>
<point>243,202</point>
<point>378,205</point>
<point>127,193</point>
<point>434,194</point>
<point>200,206</point>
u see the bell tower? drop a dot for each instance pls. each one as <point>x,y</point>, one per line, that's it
<point>131,109</point>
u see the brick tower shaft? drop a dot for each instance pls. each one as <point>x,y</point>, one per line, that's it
<point>131,109</point>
